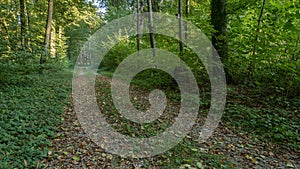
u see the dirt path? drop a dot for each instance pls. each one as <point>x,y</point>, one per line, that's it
<point>73,149</point>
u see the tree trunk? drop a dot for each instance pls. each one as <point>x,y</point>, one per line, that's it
<point>187,11</point>
<point>24,41</point>
<point>258,26</point>
<point>218,20</point>
<point>180,26</point>
<point>140,6</point>
<point>47,32</point>
<point>250,67</point>
<point>138,26</point>
<point>152,40</point>
<point>28,39</point>
<point>52,44</point>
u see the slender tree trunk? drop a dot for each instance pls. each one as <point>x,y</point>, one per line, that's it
<point>52,44</point>
<point>258,26</point>
<point>16,34</point>
<point>152,40</point>
<point>180,26</point>
<point>24,41</point>
<point>250,67</point>
<point>60,32</point>
<point>187,11</point>
<point>47,32</point>
<point>138,26</point>
<point>140,6</point>
<point>28,39</point>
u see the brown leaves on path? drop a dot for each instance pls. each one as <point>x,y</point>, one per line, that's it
<point>72,148</point>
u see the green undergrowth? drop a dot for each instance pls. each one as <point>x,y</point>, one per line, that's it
<point>31,107</point>
<point>265,115</point>
<point>187,155</point>
<point>272,118</point>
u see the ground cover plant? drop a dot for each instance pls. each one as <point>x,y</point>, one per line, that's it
<point>32,107</point>
<point>42,41</point>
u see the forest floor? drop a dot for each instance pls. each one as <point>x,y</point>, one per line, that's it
<point>226,148</point>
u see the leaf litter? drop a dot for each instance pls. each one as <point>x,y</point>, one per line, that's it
<point>72,148</point>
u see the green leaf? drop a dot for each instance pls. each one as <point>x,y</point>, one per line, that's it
<point>199,165</point>
<point>76,158</point>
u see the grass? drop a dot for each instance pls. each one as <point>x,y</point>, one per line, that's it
<point>31,107</point>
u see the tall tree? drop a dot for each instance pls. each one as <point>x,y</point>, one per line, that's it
<point>258,25</point>
<point>48,31</point>
<point>250,67</point>
<point>24,41</point>
<point>52,44</point>
<point>28,37</point>
<point>140,6</point>
<point>218,20</point>
<point>187,11</point>
<point>152,39</point>
<point>180,26</point>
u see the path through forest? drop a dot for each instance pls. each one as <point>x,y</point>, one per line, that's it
<point>73,149</point>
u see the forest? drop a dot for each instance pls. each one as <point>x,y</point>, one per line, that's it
<point>46,54</point>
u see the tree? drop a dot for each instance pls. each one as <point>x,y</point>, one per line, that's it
<point>218,20</point>
<point>150,25</point>
<point>140,6</point>
<point>48,31</point>
<point>180,26</point>
<point>187,11</point>
<point>24,40</point>
<point>258,25</point>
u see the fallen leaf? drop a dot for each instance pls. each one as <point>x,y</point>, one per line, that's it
<point>248,157</point>
<point>289,165</point>
<point>254,161</point>
<point>76,158</point>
